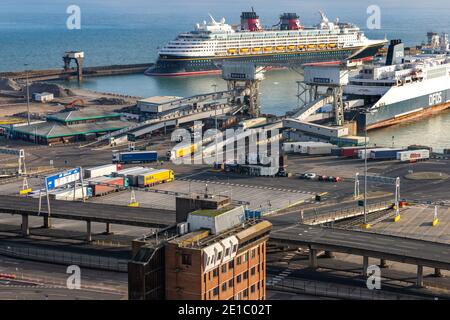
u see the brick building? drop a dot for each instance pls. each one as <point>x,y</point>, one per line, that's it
<point>220,256</point>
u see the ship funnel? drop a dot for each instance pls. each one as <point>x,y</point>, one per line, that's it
<point>396,53</point>
<point>290,21</point>
<point>250,21</point>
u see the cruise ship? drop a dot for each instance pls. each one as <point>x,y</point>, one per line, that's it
<point>286,44</point>
<point>405,88</point>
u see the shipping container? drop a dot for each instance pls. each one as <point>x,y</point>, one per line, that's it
<point>413,155</point>
<point>258,171</point>
<point>362,152</point>
<point>155,177</point>
<point>99,171</point>
<point>350,152</point>
<point>124,172</point>
<point>134,157</point>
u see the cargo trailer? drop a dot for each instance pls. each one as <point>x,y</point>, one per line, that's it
<point>155,177</point>
<point>68,194</point>
<point>103,185</point>
<point>384,154</point>
<point>135,157</point>
<point>99,171</point>
<point>413,155</point>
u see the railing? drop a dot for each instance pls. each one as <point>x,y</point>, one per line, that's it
<point>321,289</point>
<point>346,213</point>
<point>65,258</point>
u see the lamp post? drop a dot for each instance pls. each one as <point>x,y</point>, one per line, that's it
<point>28,95</point>
<point>215,116</point>
<point>366,225</point>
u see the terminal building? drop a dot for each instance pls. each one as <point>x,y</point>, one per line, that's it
<point>216,254</point>
<point>68,126</point>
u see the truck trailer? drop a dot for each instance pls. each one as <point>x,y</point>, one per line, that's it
<point>135,157</point>
<point>155,177</point>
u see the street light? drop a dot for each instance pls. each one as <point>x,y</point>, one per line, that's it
<point>28,94</point>
<point>215,116</point>
<point>366,225</point>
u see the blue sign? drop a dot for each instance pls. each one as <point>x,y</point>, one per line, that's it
<point>62,178</point>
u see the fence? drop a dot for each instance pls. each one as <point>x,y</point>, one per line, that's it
<point>65,258</point>
<point>315,288</point>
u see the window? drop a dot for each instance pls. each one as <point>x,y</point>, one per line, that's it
<point>231,265</point>
<point>186,259</point>
<point>253,271</point>
<point>252,289</point>
<point>219,255</point>
<point>235,248</point>
<point>253,253</point>
<point>224,268</point>
<point>224,286</point>
<point>227,251</point>
<point>238,260</point>
<point>245,293</point>
<point>239,278</point>
<point>215,291</point>
<point>245,275</point>
<point>230,283</point>
<point>216,272</point>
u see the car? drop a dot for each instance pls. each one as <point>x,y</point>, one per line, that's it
<point>308,176</point>
<point>323,178</point>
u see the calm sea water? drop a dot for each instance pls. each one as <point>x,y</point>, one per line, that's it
<point>34,32</point>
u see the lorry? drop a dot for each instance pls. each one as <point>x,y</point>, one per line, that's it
<point>182,151</point>
<point>413,155</point>
<point>69,194</point>
<point>103,170</point>
<point>154,177</point>
<point>135,157</point>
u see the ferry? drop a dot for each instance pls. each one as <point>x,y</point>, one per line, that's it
<point>289,43</point>
<point>402,89</point>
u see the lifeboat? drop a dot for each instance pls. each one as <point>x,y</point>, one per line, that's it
<point>268,49</point>
<point>280,48</point>
<point>301,47</point>
<point>244,50</point>
<point>321,46</point>
<point>232,51</point>
<point>291,48</point>
<point>332,45</point>
<point>256,49</point>
<point>311,46</point>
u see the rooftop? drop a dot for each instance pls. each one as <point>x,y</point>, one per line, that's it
<point>57,130</point>
<point>157,100</point>
<point>82,115</point>
<point>212,212</point>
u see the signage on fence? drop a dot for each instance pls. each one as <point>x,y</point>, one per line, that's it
<point>62,178</point>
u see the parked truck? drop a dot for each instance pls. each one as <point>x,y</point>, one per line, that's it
<point>413,155</point>
<point>135,157</point>
<point>103,185</point>
<point>155,177</point>
<point>99,171</point>
<point>384,154</point>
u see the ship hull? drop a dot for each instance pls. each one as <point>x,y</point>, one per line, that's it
<point>172,66</point>
<point>408,110</point>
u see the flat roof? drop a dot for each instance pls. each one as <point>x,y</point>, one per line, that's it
<point>51,130</point>
<point>81,115</point>
<point>157,100</point>
<point>212,212</point>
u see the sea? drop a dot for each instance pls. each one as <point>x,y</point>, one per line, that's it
<point>34,35</point>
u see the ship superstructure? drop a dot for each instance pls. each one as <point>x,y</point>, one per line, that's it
<point>202,50</point>
<point>418,86</point>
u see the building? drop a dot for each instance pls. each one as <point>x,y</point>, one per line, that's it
<point>214,255</point>
<point>158,105</point>
<point>43,97</point>
<point>69,126</point>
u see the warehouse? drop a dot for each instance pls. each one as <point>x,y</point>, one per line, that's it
<point>68,127</point>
